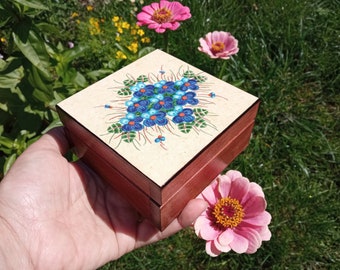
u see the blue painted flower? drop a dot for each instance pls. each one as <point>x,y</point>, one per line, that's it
<point>139,106</point>
<point>177,109</point>
<point>165,103</point>
<point>167,87</point>
<point>131,122</point>
<point>189,85</point>
<point>157,118</point>
<point>160,139</point>
<point>147,91</point>
<point>187,98</point>
<point>184,116</point>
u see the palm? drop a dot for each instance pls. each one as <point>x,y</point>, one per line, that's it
<point>74,217</point>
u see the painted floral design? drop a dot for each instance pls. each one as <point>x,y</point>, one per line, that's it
<point>155,103</point>
<point>163,15</point>
<point>235,218</point>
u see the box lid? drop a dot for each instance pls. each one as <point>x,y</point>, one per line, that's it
<point>158,112</point>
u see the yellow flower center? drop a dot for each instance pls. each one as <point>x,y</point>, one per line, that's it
<point>217,47</point>
<point>162,15</point>
<point>228,212</point>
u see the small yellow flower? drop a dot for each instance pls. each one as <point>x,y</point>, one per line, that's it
<point>120,30</point>
<point>89,8</point>
<point>120,55</point>
<point>74,15</point>
<point>115,19</point>
<point>145,40</point>
<point>133,47</point>
<point>118,38</point>
<point>133,32</point>
<point>125,25</point>
<point>3,40</point>
<point>140,32</point>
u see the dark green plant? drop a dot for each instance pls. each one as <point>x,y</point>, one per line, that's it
<point>34,76</point>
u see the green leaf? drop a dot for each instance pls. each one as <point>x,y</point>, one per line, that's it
<point>115,128</point>
<point>9,162</point>
<point>6,142</point>
<point>32,4</point>
<point>129,82</point>
<point>188,74</point>
<point>32,46</point>
<point>186,127</point>
<point>142,78</point>
<point>43,89</point>
<point>200,112</point>
<point>128,136</point>
<point>11,72</point>
<point>124,91</point>
<point>200,123</point>
<point>5,15</point>
<point>200,78</point>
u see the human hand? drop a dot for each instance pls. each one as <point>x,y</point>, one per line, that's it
<point>56,212</point>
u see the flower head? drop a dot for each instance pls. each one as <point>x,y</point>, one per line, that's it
<point>163,15</point>
<point>219,44</point>
<point>235,218</point>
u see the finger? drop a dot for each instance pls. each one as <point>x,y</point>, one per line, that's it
<point>191,212</point>
<point>148,234</point>
<point>55,139</point>
<point>188,215</point>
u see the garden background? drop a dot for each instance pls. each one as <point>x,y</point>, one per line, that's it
<point>289,58</point>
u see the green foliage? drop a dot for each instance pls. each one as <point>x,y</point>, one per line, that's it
<point>288,58</point>
<point>34,77</point>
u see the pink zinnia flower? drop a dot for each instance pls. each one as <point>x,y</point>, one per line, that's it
<point>163,15</point>
<point>219,44</point>
<point>235,218</point>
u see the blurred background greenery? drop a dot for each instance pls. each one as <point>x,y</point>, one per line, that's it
<point>289,58</point>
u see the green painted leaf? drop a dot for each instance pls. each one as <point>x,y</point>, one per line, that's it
<point>200,123</point>
<point>199,112</point>
<point>129,82</point>
<point>186,127</point>
<point>124,91</point>
<point>128,136</point>
<point>115,128</point>
<point>142,78</point>
<point>200,78</point>
<point>188,74</point>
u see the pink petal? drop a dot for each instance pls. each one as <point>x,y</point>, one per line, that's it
<point>220,247</point>
<point>239,188</point>
<point>223,240</point>
<point>211,249</point>
<point>265,233</point>
<point>209,194</point>
<point>254,206</point>
<point>253,237</point>
<point>232,174</point>
<point>224,185</point>
<point>204,230</point>
<point>239,244</point>
<point>261,219</point>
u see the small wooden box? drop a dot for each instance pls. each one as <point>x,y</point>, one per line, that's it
<point>159,131</point>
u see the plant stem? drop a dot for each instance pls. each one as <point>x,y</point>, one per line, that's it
<point>166,41</point>
<point>224,64</point>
